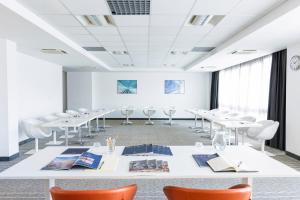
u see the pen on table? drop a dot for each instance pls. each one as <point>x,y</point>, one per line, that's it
<point>99,167</point>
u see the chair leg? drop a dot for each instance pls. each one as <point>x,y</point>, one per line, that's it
<point>36,144</point>
<point>263,145</point>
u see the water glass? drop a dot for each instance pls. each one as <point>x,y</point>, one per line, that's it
<point>219,141</point>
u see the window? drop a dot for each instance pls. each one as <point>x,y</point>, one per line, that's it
<point>245,88</point>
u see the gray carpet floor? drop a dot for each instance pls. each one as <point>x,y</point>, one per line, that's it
<point>178,134</point>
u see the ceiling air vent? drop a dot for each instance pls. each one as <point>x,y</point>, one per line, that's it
<point>94,48</point>
<point>119,52</point>
<point>202,20</point>
<point>95,20</point>
<point>244,52</point>
<point>202,49</point>
<point>53,51</point>
<point>129,7</point>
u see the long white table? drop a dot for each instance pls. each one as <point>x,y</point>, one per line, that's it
<point>77,122</point>
<point>181,165</point>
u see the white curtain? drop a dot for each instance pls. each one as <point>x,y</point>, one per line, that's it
<point>245,88</point>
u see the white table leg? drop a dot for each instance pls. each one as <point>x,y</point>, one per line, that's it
<point>211,129</point>
<point>248,181</point>
<point>80,134</point>
<point>236,137</point>
<point>51,184</point>
<point>67,135</point>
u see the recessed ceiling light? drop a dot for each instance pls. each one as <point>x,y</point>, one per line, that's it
<point>243,52</point>
<point>53,51</point>
<point>179,52</point>
<point>202,20</point>
<point>95,20</point>
<point>119,52</point>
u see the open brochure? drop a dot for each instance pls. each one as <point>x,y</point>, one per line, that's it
<point>149,166</point>
<point>146,150</point>
<point>65,162</point>
<point>220,164</point>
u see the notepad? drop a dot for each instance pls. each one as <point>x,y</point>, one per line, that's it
<point>221,164</point>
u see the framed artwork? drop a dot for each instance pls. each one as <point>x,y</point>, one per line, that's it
<point>126,86</point>
<point>174,86</point>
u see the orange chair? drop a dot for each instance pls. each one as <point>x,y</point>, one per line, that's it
<point>124,193</point>
<point>238,192</point>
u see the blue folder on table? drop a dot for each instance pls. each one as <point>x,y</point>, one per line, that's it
<point>146,150</point>
<point>201,159</point>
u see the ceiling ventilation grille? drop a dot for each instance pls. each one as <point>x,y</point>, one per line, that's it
<point>94,48</point>
<point>129,7</point>
<point>203,20</point>
<point>53,51</point>
<point>244,52</point>
<point>202,49</point>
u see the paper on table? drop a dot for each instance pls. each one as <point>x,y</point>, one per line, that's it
<point>110,164</point>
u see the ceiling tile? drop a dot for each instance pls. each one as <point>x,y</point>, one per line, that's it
<point>131,20</point>
<point>124,59</point>
<point>213,7</point>
<point>108,38</point>
<point>103,30</point>
<point>132,31</point>
<point>164,30</point>
<point>45,7</point>
<point>87,7</point>
<point>74,30</point>
<point>112,44</point>
<point>61,20</point>
<point>167,20</point>
<point>167,7</point>
<point>135,38</point>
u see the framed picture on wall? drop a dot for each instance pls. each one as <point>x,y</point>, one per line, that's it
<point>174,86</point>
<point>126,86</point>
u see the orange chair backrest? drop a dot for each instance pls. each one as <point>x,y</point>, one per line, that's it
<point>238,192</point>
<point>124,193</point>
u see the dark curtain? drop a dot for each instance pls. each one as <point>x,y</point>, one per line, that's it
<point>277,93</point>
<point>214,91</point>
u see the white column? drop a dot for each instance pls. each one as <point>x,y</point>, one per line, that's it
<point>9,142</point>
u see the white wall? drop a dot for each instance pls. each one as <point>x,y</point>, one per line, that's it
<point>293,104</point>
<point>39,88</point>
<point>150,91</point>
<point>79,90</point>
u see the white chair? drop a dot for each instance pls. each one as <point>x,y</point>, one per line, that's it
<point>263,133</point>
<point>50,118</point>
<point>170,112</point>
<point>34,130</point>
<point>83,110</point>
<point>66,115</point>
<point>127,111</point>
<point>72,112</point>
<point>149,112</point>
<point>243,131</point>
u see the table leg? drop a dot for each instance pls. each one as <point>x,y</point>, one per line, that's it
<point>67,135</point>
<point>210,129</point>
<point>236,137</point>
<point>51,184</point>
<point>248,181</point>
<point>80,134</point>
<point>89,126</point>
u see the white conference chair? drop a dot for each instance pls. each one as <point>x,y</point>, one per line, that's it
<point>127,112</point>
<point>34,130</point>
<point>170,112</point>
<point>149,112</point>
<point>243,131</point>
<point>263,133</point>
<point>50,118</point>
<point>72,112</point>
<point>83,110</point>
<point>66,115</point>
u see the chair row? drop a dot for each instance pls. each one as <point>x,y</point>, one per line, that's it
<point>266,131</point>
<point>127,111</point>
<point>237,192</point>
<point>33,128</point>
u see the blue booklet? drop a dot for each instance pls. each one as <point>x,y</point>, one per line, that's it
<point>85,160</point>
<point>146,150</point>
<point>201,159</point>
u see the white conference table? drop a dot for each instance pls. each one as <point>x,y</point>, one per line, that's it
<point>181,164</point>
<point>77,122</point>
<point>226,122</point>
